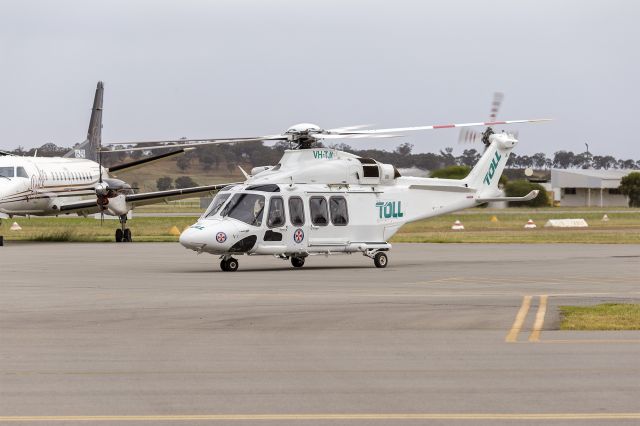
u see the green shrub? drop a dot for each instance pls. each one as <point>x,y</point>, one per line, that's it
<point>630,186</point>
<point>451,172</point>
<point>459,172</point>
<point>520,188</point>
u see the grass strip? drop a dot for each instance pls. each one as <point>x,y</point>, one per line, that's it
<point>606,316</point>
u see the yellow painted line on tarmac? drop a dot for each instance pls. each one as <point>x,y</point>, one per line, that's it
<point>520,317</point>
<point>539,322</point>
<point>328,416</point>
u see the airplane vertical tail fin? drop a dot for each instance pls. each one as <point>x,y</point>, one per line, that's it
<point>486,173</point>
<point>91,146</point>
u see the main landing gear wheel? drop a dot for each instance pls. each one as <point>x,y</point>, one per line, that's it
<point>119,235</point>
<point>380,259</point>
<point>297,262</point>
<point>229,265</point>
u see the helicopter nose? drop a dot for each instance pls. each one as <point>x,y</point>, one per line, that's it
<point>193,238</point>
<point>213,238</point>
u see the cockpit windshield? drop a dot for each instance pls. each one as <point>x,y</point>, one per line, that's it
<point>247,208</point>
<point>216,204</point>
<point>6,172</point>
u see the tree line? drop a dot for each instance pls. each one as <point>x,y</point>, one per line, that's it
<point>212,157</point>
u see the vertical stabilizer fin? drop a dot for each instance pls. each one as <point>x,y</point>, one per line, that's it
<point>90,147</point>
<point>486,173</point>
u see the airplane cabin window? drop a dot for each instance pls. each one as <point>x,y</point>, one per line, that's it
<point>216,204</point>
<point>318,209</point>
<point>296,211</point>
<point>247,208</point>
<point>21,172</point>
<point>338,209</point>
<point>275,217</point>
<point>6,172</point>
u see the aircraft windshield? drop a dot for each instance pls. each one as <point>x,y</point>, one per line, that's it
<point>216,204</point>
<point>6,172</point>
<point>247,208</point>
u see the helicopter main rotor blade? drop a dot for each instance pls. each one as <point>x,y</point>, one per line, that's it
<point>321,136</point>
<point>184,143</point>
<point>442,126</point>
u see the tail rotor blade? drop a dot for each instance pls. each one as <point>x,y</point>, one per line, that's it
<point>495,105</point>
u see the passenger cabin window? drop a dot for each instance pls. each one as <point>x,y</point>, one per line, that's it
<point>276,218</point>
<point>296,211</point>
<point>247,208</point>
<point>338,210</point>
<point>21,172</point>
<point>6,172</point>
<point>216,204</point>
<point>318,209</point>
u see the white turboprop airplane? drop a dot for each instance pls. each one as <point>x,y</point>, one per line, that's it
<point>77,182</point>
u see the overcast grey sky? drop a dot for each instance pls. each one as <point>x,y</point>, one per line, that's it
<point>244,68</point>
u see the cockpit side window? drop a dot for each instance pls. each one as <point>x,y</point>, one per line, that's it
<point>318,209</point>
<point>296,211</point>
<point>6,172</point>
<point>216,204</point>
<point>247,208</point>
<point>276,217</point>
<point>21,172</point>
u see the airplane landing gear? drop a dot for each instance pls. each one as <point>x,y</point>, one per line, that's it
<point>123,234</point>
<point>229,264</point>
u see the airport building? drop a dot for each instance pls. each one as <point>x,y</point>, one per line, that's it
<point>588,187</point>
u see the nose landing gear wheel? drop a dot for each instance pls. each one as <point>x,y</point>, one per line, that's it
<point>297,262</point>
<point>229,265</point>
<point>126,236</point>
<point>380,260</point>
<point>119,235</point>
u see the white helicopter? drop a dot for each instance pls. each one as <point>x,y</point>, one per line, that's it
<point>321,201</point>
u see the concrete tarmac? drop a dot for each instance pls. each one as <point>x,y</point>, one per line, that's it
<point>447,334</point>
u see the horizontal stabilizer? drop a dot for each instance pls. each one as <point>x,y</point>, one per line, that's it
<point>530,196</point>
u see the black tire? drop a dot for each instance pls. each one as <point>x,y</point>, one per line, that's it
<point>297,262</point>
<point>119,235</point>
<point>223,265</point>
<point>232,264</point>
<point>127,235</point>
<point>380,260</point>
